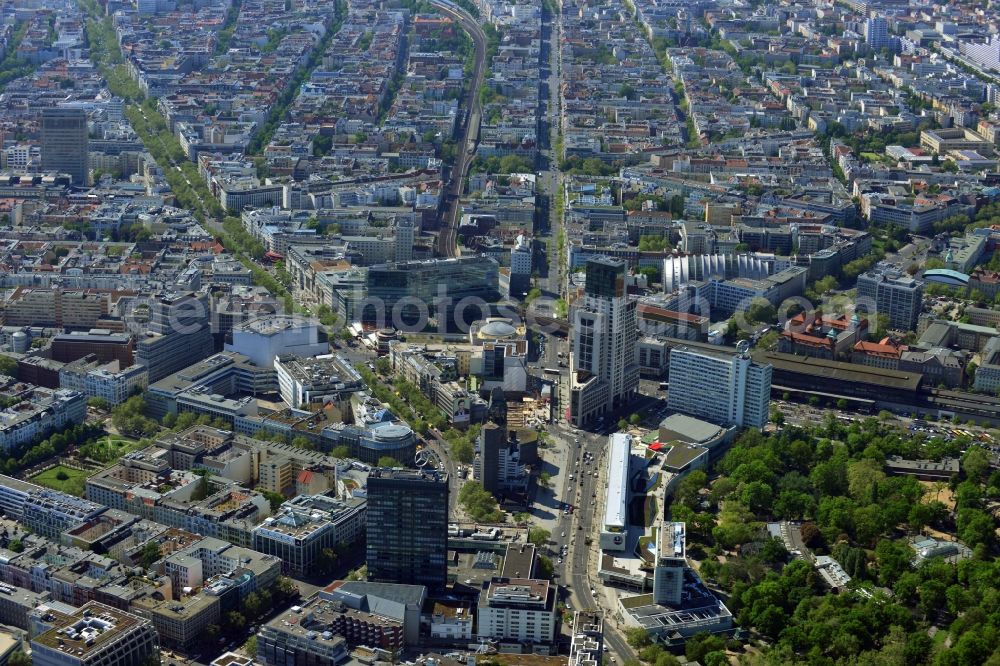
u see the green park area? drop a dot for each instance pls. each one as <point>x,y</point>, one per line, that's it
<point>67,479</point>
<point>108,449</point>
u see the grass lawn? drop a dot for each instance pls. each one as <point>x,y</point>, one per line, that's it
<point>871,157</point>
<point>109,449</point>
<point>73,483</point>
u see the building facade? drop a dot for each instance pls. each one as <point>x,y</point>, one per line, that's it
<point>884,291</point>
<point>604,367</point>
<point>65,143</point>
<point>726,390</point>
<point>407,536</point>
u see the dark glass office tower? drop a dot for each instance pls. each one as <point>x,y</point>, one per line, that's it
<point>408,527</point>
<point>65,143</point>
<point>605,277</point>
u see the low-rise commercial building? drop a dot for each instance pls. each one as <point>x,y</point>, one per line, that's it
<point>96,635</point>
<point>307,525</point>
<point>614,530</point>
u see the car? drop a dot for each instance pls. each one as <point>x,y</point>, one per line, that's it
<point>564,535</point>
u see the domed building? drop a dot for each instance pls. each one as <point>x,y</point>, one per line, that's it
<point>496,329</point>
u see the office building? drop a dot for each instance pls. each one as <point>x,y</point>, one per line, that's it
<point>60,308</point>
<point>668,572</point>
<point>216,564</point>
<point>399,605</point>
<point>987,377</point>
<point>39,371</point>
<point>519,612</point>
<point>203,388</point>
<point>520,267</point>
<point>17,602</point>
<point>96,635</point>
<point>615,527</point>
<point>719,387</point>
<point>65,143</point>
<point>102,343</point>
<point>177,336</point>
<point>180,623</point>
<point>887,291</point>
<point>304,381</point>
<point>407,536</point>
<point>682,269</point>
<point>877,33</point>
<point>985,54</point>
<point>725,297</point>
<point>680,605</point>
<point>604,368</point>
<point>405,294</point>
<point>344,615</point>
<point>501,459</point>
<point>302,635</point>
<point>305,526</point>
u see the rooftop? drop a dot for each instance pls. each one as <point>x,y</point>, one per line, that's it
<point>689,429</point>
<point>272,325</point>
<point>698,607</point>
<point>618,464</point>
<point>87,630</point>
<point>837,372</point>
<point>671,542</point>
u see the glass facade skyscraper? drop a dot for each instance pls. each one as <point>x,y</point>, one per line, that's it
<point>65,143</point>
<point>408,527</point>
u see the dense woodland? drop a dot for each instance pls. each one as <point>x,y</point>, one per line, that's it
<point>831,478</point>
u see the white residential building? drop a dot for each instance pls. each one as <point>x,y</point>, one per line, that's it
<point>721,388</point>
<point>887,291</point>
<point>520,610</point>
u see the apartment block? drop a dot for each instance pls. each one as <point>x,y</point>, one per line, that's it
<point>721,388</point>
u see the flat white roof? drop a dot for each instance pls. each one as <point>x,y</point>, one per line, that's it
<point>614,509</point>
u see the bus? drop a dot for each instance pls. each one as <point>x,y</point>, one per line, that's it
<point>551,371</point>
